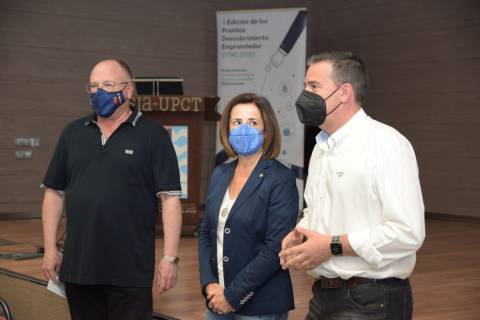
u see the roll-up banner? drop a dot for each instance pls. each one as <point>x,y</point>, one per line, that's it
<point>264,52</point>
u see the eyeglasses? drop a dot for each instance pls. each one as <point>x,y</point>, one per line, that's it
<point>109,86</point>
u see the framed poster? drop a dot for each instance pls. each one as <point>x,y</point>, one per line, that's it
<point>179,136</point>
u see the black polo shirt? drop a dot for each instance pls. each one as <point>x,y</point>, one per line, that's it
<point>111,198</point>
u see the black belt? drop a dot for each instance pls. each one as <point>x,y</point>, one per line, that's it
<point>336,283</point>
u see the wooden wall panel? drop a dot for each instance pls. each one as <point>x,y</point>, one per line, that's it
<point>48,48</point>
<point>423,58</point>
<point>439,199</point>
<point>441,108</point>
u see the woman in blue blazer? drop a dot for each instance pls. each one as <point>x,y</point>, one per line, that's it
<point>252,203</point>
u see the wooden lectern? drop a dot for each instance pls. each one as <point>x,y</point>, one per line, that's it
<point>191,122</point>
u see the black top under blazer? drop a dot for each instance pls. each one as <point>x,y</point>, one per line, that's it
<point>264,212</point>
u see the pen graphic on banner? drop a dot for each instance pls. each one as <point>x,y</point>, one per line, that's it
<point>287,44</point>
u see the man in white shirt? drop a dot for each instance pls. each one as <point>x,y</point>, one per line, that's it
<point>364,219</point>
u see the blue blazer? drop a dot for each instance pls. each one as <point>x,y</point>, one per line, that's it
<point>264,212</point>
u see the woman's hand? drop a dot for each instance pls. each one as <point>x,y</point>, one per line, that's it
<point>212,289</point>
<point>217,301</point>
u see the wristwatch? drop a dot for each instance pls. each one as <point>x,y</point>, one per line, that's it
<point>171,259</point>
<point>336,246</point>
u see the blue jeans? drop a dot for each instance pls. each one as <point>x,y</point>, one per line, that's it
<point>209,315</point>
<point>375,300</point>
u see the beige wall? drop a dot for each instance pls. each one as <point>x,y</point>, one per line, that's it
<point>423,57</point>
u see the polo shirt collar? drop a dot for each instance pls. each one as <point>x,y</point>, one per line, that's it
<point>328,141</point>
<point>132,119</point>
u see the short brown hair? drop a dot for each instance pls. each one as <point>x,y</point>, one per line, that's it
<point>347,68</point>
<point>271,132</point>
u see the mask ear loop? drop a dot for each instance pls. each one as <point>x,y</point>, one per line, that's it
<point>338,105</point>
<point>331,111</point>
<point>331,94</point>
<point>125,88</point>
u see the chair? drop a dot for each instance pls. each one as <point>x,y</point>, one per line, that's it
<point>5,313</point>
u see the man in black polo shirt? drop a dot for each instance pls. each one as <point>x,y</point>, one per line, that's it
<point>108,171</point>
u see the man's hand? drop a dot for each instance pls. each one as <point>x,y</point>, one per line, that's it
<point>51,264</point>
<point>217,301</point>
<point>167,275</point>
<point>293,238</point>
<point>307,255</point>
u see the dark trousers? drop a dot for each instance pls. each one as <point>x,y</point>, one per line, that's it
<point>100,302</point>
<point>377,299</point>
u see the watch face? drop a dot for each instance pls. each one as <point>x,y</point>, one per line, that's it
<point>173,260</point>
<point>336,248</point>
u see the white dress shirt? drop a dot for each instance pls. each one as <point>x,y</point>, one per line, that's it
<point>225,208</point>
<point>363,181</point>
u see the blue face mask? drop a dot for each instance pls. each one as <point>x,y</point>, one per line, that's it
<point>105,103</point>
<point>245,140</point>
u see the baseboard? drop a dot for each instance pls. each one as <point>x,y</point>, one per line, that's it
<point>452,217</point>
<point>19,215</point>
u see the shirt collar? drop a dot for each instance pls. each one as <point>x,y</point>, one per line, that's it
<point>132,119</point>
<point>327,141</point>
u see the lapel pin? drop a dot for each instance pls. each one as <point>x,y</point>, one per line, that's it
<point>261,175</point>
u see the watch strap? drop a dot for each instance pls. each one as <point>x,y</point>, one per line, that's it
<point>336,246</point>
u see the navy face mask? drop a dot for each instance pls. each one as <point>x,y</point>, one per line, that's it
<point>312,108</point>
<point>245,140</point>
<point>105,103</point>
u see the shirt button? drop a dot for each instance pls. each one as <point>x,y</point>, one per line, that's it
<point>226,259</point>
<point>227,230</point>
